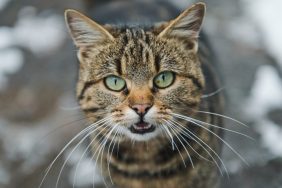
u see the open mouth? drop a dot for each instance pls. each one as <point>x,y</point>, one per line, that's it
<point>142,128</point>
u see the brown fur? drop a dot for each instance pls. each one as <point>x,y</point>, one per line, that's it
<point>137,55</point>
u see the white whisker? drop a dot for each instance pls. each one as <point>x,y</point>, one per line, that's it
<point>213,93</point>
<point>117,131</point>
<point>226,143</point>
<point>165,133</point>
<point>170,136</point>
<point>209,124</point>
<point>189,133</point>
<point>223,116</point>
<point>102,150</point>
<point>169,133</point>
<point>188,136</point>
<point>100,146</point>
<point>77,145</point>
<point>87,148</point>
<point>67,145</point>
<point>175,133</point>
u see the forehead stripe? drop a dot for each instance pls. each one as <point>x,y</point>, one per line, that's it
<point>196,81</point>
<point>118,66</point>
<point>157,63</point>
<point>85,87</point>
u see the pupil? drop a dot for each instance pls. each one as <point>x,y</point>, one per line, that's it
<point>163,77</point>
<point>115,81</point>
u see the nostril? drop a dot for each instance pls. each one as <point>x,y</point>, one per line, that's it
<point>147,109</point>
<point>135,109</point>
<point>141,109</point>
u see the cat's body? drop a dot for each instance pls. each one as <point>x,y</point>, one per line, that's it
<point>148,139</point>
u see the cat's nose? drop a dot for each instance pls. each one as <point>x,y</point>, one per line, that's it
<point>141,109</point>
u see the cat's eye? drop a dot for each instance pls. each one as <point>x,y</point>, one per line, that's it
<point>164,79</point>
<point>114,83</point>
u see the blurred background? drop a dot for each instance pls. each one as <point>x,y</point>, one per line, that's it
<point>38,69</point>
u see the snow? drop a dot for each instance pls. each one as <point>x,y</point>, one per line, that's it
<point>271,135</point>
<point>25,140</point>
<point>266,95</point>
<point>11,60</point>
<point>6,37</point>
<point>234,166</point>
<point>81,174</point>
<point>266,92</point>
<point>32,142</point>
<point>3,4</point>
<point>242,28</point>
<point>41,35</point>
<point>267,16</point>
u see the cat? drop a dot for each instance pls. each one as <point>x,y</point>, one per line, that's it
<point>143,89</point>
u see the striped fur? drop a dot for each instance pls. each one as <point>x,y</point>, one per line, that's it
<point>137,54</point>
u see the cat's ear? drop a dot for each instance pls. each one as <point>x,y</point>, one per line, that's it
<point>187,24</point>
<point>84,31</point>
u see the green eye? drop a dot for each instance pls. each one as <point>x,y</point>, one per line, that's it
<point>164,79</point>
<point>114,83</point>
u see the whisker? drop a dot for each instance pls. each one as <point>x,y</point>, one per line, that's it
<point>213,93</point>
<point>189,133</point>
<point>102,150</point>
<point>170,136</point>
<point>223,116</point>
<point>226,143</point>
<point>87,148</point>
<point>173,124</point>
<point>100,146</point>
<point>169,133</point>
<point>209,124</point>
<point>181,143</point>
<point>77,145</point>
<point>120,135</point>
<point>165,133</point>
<point>109,134</point>
<point>212,113</point>
<point>67,145</point>
<point>112,153</point>
<point>60,127</point>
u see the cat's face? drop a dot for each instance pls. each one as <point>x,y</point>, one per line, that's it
<point>136,78</point>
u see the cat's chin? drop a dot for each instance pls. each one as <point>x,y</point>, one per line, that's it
<point>142,137</point>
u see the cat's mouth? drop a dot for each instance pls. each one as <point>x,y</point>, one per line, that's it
<point>142,128</point>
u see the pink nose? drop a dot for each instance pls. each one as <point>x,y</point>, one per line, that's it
<point>141,109</point>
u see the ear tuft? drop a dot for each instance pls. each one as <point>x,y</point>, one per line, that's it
<point>84,31</point>
<point>187,24</point>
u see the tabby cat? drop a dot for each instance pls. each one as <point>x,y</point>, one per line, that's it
<point>144,88</point>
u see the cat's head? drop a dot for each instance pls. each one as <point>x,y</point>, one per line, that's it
<point>137,77</point>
